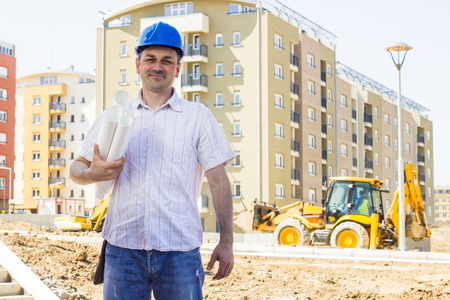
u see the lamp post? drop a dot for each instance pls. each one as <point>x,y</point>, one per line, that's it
<point>9,190</point>
<point>398,54</point>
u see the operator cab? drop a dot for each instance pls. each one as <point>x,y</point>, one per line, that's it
<point>352,198</point>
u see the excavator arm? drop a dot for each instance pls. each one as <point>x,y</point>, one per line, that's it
<point>415,225</point>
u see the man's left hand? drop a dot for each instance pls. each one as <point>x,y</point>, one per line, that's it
<point>223,253</point>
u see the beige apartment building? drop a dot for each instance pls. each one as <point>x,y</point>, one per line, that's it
<point>57,108</point>
<point>270,77</point>
<point>442,204</point>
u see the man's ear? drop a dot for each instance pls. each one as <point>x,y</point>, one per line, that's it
<point>137,65</point>
<point>178,70</point>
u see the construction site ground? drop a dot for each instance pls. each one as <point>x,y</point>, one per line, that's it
<point>67,267</point>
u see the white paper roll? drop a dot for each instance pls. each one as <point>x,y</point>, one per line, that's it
<point>132,111</point>
<point>107,129</point>
<point>118,147</point>
<point>122,98</point>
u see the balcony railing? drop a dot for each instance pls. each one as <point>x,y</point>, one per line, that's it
<point>354,138</point>
<point>57,125</point>
<point>421,177</point>
<point>295,145</point>
<point>194,79</point>
<point>368,140</point>
<point>58,106</point>
<point>354,114</point>
<point>295,116</point>
<point>324,154</point>
<point>324,180</point>
<point>368,163</point>
<point>196,49</point>
<point>367,118</point>
<point>295,174</point>
<point>323,76</point>
<point>323,102</point>
<point>324,128</point>
<point>295,88</point>
<point>355,162</point>
<point>61,162</point>
<point>57,143</point>
<point>294,60</point>
<point>420,138</point>
<point>421,158</point>
<point>55,180</point>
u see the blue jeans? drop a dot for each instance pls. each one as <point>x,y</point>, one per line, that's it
<point>133,274</point>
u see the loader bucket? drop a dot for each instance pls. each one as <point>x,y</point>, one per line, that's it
<point>415,230</point>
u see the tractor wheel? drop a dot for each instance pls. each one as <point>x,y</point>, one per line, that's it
<point>291,232</point>
<point>350,235</point>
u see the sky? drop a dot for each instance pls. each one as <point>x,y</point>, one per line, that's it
<point>61,33</point>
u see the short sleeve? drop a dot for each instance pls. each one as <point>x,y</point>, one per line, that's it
<point>213,147</point>
<point>87,149</point>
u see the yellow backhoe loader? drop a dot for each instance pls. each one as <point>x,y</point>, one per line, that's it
<point>351,216</point>
<point>77,223</point>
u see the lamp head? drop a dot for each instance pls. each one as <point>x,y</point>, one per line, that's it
<point>398,47</point>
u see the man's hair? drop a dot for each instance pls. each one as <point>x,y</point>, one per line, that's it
<point>176,50</point>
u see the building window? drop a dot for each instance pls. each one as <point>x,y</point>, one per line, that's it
<point>123,49</point>
<point>344,125</point>
<point>311,115</point>
<point>279,101</point>
<point>375,112</point>
<point>279,161</point>
<point>36,100</point>
<point>344,172</point>
<point>236,39</point>
<point>72,155</point>
<point>344,150</point>
<point>279,131</point>
<point>83,118</point>
<point>36,156</point>
<point>237,160</point>
<point>236,99</point>
<point>239,9</point>
<point>72,137</point>
<point>386,119</point>
<point>395,123</point>
<point>3,116</point>
<point>387,162</point>
<point>279,191</point>
<point>35,193</point>
<point>311,88</point>
<point>428,135</point>
<point>237,69</point>
<point>310,61</point>
<point>3,72</point>
<point>36,137</point>
<point>219,100</point>
<point>219,40</point>
<point>237,190</point>
<point>312,141</point>
<point>82,136</point>
<point>312,195</point>
<point>82,193</point>
<point>2,160</point>
<point>395,144</point>
<point>408,148</point>
<point>123,77</point>
<point>377,159</point>
<point>429,192</point>
<point>3,94</point>
<point>52,79</point>
<point>388,184</point>
<point>312,168</point>
<point>330,171</point>
<point>329,73</point>
<point>330,146</point>
<point>196,71</point>
<point>36,175</point>
<point>196,98</point>
<point>330,95</point>
<point>219,70</point>
<point>72,100</point>
<point>429,172</point>
<point>278,72</point>
<point>72,118</point>
<point>377,138</point>
<point>36,119</point>
<point>83,99</point>
<point>278,42</point>
<point>407,127</point>
<point>387,141</point>
<point>428,153</point>
<point>179,9</point>
<point>330,121</point>
<point>237,129</point>
<point>343,101</point>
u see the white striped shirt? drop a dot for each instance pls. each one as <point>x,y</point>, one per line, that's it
<point>154,201</point>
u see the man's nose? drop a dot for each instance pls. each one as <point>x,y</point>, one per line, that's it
<point>157,66</point>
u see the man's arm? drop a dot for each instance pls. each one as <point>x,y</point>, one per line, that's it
<point>85,172</point>
<point>223,206</point>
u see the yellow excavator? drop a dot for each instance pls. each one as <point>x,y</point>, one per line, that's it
<point>351,216</point>
<point>78,223</point>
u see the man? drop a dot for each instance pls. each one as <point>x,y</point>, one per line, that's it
<point>153,227</point>
<point>362,203</point>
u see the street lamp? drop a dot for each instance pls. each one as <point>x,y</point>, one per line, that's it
<point>398,54</point>
<point>9,191</point>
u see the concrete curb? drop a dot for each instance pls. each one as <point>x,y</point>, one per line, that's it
<point>24,276</point>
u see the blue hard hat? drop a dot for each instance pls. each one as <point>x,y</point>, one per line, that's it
<point>160,34</point>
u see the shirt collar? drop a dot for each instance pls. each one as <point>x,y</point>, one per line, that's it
<point>174,101</point>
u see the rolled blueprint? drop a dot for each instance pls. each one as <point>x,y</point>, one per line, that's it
<point>118,147</point>
<point>132,111</point>
<point>122,98</point>
<point>107,129</point>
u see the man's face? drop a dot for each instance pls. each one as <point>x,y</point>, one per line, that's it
<point>158,68</point>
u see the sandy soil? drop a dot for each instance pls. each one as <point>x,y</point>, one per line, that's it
<point>67,268</point>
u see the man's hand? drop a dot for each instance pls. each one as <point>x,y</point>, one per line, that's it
<point>223,253</point>
<point>85,172</point>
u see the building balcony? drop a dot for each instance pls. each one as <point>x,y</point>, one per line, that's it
<point>324,130</point>
<point>57,126</point>
<point>353,115</point>
<point>368,142</point>
<point>421,179</point>
<point>354,139</point>
<point>295,90</point>
<point>295,176</point>
<point>420,160</point>
<point>55,145</point>
<point>295,148</point>
<point>57,108</point>
<point>367,120</point>
<point>295,119</point>
<point>323,104</point>
<point>194,83</point>
<point>203,204</point>
<point>324,182</point>
<point>323,76</point>
<point>368,165</point>
<point>420,140</point>
<point>324,156</point>
<point>355,164</point>
<point>294,62</point>
<point>57,163</point>
<point>57,181</point>
<point>195,53</point>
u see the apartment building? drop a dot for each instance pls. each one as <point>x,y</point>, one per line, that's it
<point>269,76</point>
<point>58,107</point>
<point>7,120</point>
<point>441,204</point>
